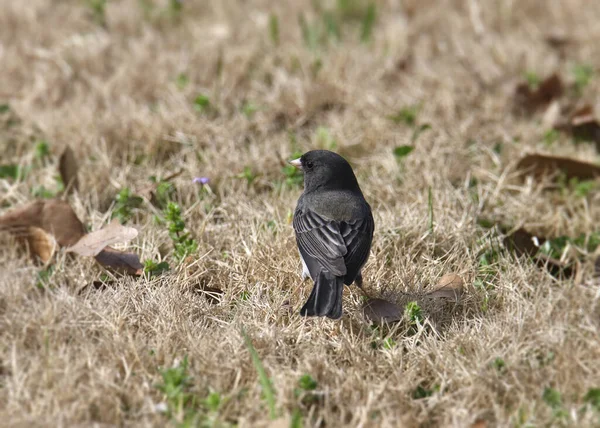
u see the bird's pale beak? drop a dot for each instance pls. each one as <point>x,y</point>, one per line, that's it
<point>296,162</point>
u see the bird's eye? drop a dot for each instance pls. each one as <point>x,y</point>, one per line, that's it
<point>309,164</point>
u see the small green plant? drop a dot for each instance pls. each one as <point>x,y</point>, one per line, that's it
<point>248,174</point>
<point>10,171</point>
<point>249,109</point>
<point>43,277</point>
<point>213,402</point>
<point>201,103</point>
<point>98,9</point>
<point>125,204</point>
<point>553,399</point>
<point>164,193</point>
<point>582,73</point>
<point>389,343</point>
<point>175,8</point>
<point>499,365</point>
<point>413,313</point>
<point>582,188</point>
<point>307,383</point>
<point>551,137</point>
<point>406,115</point>
<point>42,193</point>
<point>182,240</point>
<point>4,108</point>
<point>325,139</point>
<point>401,152</point>
<point>182,81</point>
<point>533,80</point>
<point>293,177</point>
<point>311,33</point>
<point>153,268</point>
<point>368,23</point>
<point>592,397</point>
<point>265,382</point>
<point>422,391</point>
<point>305,390</point>
<point>274,29</point>
<point>176,384</point>
<point>42,151</point>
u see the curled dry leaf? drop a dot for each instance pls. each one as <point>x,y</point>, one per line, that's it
<point>541,164</point>
<point>41,244</point>
<point>212,294</point>
<point>120,261</point>
<point>68,167</point>
<point>531,99</point>
<point>53,216</point>
<point>381,311</point>
<point>94,242</point>
<point>583,125</point>
<point>525,243</point>
<point>450,286</point>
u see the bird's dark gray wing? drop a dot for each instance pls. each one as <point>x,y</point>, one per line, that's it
<point>357,235</point>
<point>320,239</point>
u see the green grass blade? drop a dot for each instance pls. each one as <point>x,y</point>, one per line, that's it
<point>265,382</point>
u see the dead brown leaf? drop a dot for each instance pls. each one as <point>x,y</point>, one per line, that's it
<point>94,242</point>
<point>381,311</point>
<point>479,423</point>
<point>68,170</point>
<point>524,243</point>
<point>450,286</point>
<point>584,125</point>
<point>542,164</point>
<point>212,294</point>
<point>53,216</point>
<point>120,261</point>
<point>41,244</point>
<point>531,99</point>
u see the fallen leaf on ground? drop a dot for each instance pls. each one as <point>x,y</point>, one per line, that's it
<point>450,286</point>
<point>479,423</point>
<point>94,242</point>
<point>53,216</point>
<point>558,39</point>
<point>120,261</point>
<point>572,168</point>
<point>381,311</point>
<point>583,125</point>
<point>68,170</point>
<point>41,244</point>
<point>531,99</point>
<point>212,294</point>
<point>525,243</point>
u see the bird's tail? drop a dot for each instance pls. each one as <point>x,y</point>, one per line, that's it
<point>326,297</point>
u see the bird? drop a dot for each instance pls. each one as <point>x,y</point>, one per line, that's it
<point>334,226</point>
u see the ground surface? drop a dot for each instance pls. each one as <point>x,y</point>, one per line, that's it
<point>120,84</point>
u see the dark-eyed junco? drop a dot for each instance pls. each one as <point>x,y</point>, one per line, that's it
<point>334,229</point>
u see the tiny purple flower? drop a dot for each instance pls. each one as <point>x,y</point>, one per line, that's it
<point>201,180</point>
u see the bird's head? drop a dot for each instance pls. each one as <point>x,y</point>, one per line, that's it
<point>325,169</point>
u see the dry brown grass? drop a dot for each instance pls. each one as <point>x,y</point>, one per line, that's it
<point>71,358</point>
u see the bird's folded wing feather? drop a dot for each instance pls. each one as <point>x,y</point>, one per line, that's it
<point>357,236</point>
<point>320,237</point>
